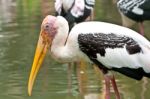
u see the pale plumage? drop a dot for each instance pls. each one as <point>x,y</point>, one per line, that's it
<point>115,57</point>
<point>109,46</point>
<point>75,11</point>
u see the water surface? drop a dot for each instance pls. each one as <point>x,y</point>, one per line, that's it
<point>19,29</point>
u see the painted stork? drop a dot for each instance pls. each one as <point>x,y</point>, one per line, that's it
<point>109,46</point>
<point>74,11</point>
<point>134,10</point>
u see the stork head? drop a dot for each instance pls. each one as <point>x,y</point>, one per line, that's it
<point>48,32</point>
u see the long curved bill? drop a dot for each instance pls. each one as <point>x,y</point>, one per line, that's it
<point>38,59</point>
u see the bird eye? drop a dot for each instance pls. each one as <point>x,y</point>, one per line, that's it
<point>46,26</point>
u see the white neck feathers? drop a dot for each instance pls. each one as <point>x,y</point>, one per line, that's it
<point>58,48</point>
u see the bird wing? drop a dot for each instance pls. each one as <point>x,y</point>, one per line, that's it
<point>113,47</point>
<point>106,48</point>
<point>138,10</point>
<point>116,52</point>
<point>110,44</point>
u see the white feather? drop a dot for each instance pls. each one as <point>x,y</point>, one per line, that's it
<point>118,57</point>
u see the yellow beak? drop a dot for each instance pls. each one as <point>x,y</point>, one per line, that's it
<point>40,53</point>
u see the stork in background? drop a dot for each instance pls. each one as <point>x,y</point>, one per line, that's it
<point>109,46</point>
<point>75,11</point>
<point>134,11</point>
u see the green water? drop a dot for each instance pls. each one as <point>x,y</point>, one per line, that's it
<point>19,29</point>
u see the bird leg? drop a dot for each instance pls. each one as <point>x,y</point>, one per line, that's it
<point>111,78</point>
<point>141,27</point>
<point>107,84</point>
<point>114,85</point>
<point>82,76</point>
<point>69,77</point>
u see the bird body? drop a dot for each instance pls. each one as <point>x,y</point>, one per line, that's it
<point>137,10</point>
<point>134,10</point>
<point>74,11</point>
<point>111,45</point>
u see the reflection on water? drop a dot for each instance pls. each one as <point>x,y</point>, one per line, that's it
<point>19,28</point>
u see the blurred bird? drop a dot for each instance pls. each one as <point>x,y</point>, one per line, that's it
<point>134,10</point>
<point>109,46</point>
<point>75,11</point>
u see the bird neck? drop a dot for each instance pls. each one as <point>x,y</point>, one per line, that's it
<point>60,38</point>
<point>59,50</point>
